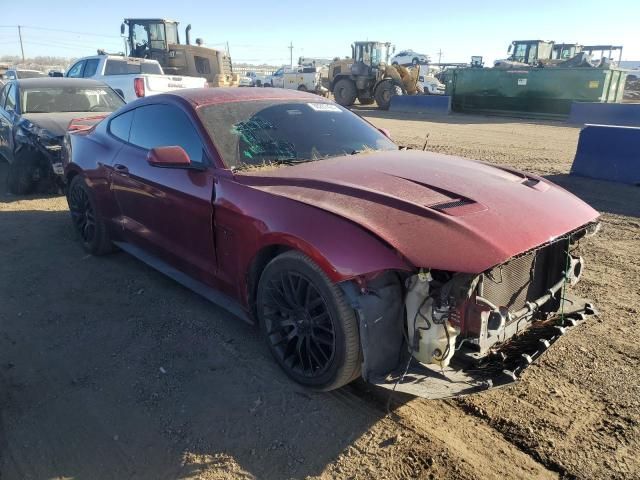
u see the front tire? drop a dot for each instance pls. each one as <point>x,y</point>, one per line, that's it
<point>311,330</point>
<point>345,92</point>
<point>385,91</point>
<point>86,218</point>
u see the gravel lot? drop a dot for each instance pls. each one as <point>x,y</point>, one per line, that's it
<point>108,370</point>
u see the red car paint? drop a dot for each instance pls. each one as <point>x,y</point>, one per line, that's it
<point>353,215</point>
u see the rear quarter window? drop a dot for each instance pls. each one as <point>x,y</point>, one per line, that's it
<point>122,67</point>
<point>120,126</point>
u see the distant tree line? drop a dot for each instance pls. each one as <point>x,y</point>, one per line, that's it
<point>44,61</point>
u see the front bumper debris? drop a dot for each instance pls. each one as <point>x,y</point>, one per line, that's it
<point>503,367</point>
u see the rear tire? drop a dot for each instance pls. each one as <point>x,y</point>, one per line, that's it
<point>385,91</point>
<point>415,62</point>
<point>302,88</point>
<point>311,330</point>
<point>345,92</point>
<point>86,218</point>
<point>20,179</point>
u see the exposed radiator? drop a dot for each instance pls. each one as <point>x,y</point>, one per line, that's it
<point>524,278</point>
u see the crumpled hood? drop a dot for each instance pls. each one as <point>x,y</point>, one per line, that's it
<point>55,124</point>
<point>438,211</point>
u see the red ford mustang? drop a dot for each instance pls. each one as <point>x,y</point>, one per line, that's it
<point>431,274</point>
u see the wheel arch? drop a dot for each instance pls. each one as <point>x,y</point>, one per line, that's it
<point>378,257</point>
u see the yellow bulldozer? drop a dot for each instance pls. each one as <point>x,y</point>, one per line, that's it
<point>158,39</point>
<point>368,77</point>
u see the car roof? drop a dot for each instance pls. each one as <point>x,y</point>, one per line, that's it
<point>57,82</point>
<point>211,96</point>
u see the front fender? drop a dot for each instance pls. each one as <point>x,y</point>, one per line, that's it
<point>249,222</point>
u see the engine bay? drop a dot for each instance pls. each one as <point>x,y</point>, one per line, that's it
<point>437,334</point>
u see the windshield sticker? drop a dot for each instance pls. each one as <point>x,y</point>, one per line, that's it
<point>294,112</point>
<point>324,107</point>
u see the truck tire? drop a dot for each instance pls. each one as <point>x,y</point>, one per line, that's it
<point>345,92</point>
<point>415,61</point>
<point>385,91</point>
<point>302,88</point>
<point>20,179</point>
<point>366,100</point>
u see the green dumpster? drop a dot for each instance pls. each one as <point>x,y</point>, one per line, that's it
<point>531,91</point>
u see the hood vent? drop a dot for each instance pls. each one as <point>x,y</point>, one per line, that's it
<point>458,207</point>
<point>459,202</point>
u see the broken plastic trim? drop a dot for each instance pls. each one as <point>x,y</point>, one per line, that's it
<point>504,367</point>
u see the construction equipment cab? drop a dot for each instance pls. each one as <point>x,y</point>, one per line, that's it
<point>158,39</point>
<point>368,76</point>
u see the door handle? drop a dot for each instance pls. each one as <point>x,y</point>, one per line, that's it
<point>118,167</point>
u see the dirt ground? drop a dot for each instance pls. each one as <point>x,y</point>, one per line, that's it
<point>108,370</point>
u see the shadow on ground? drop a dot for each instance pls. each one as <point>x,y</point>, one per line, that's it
<point>110,370</point>
<point>604,196</point>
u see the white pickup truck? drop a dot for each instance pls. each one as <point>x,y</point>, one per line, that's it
<point>306,79</point>
<point>131,77</point>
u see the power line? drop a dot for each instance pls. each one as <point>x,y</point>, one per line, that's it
<point>61,30</point>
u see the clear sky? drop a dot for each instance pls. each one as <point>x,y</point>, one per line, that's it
<point>260,31</point>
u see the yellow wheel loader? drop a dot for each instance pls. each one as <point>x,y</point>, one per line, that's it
<point>368,77</point>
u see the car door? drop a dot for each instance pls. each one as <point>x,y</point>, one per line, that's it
<point>8,115</point>
<point>166,211</point>
<point>278,79</point>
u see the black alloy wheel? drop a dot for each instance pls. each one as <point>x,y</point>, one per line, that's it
<point>83,214</point>
<point>299,325</point>
<point>86,218</point>
<point>310,328</point>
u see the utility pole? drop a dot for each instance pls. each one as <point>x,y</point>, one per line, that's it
<point>440,56</point>
<point>290,47</point>
<point>21,47</point>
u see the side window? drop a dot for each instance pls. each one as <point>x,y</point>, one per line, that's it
<point>3,95</point>
<point>121,125</point>
<point>76,70</point>
<point>91,67</point>
<point>10,105</point>
<point>165,126</point>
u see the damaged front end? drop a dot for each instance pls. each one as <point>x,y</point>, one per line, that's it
<point>39,145</point>
<point>438,334</point>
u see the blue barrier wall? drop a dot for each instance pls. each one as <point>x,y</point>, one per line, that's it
<point>627,114</point>
<point>421,104</point>
<point>608,153</point>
